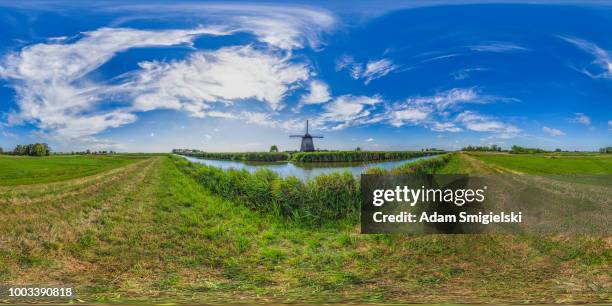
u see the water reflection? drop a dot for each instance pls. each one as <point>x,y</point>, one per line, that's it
<point>303,171</point>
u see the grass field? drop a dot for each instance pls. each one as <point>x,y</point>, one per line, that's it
<point>530,163</point>
<point>145,231</point>
<point>18,170</point>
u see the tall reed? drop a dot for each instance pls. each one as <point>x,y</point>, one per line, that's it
<point>356,156</point>
<point>325,197</point>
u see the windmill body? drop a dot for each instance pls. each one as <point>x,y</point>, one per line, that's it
<point>307,143</point>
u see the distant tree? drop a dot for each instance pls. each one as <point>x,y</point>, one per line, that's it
<point>1,150</point>
<point>358,149</point>
<point>607,150</point>
<point>521,150</point>
<point>273,148</point>
<point>38,150</point>
<point>33,149</point>
<point>557,150</point>
<point>493,148</point>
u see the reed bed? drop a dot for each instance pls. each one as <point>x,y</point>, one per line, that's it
<point>356,156</point>
<point>326,197</point>
<point>242,156</point>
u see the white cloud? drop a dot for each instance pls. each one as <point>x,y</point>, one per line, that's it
<point>410,115</point>
<point>263,119</point>
<point>152,134</point>
<point>286,27</point>
<point>581,118</point>
<point>377,69</point>
<point>54,93</point>
<point>481,123</point>
<point>497,47</point>
<point>445,127</point>
<point>370,71</point>
<point>450,98</point>
<point>348,110</point>
<point>429,110</point>
<point>50,85</point>
<point>369,139</point>
<point>318,93</point>
<point>610,125</point>
<point>432,112</point>
<point>466,73</point>
<point>553,131</point>
<point>217,114</point>
<point>602,57</point>
<point>226,74</point>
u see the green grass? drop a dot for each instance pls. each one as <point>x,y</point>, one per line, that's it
<point>19,170</point>
<point>550,164</point>
<point>147,232</point>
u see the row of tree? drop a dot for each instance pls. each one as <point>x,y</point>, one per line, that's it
<point>88,152</point>
<point>606,150</point>
<point>33,149</point>
<point>492,148</point>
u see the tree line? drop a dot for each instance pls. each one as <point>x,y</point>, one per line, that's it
<point>493,148</point>
<point>32,149</point>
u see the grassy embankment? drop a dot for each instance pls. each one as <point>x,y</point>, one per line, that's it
<point>325,197</point>
<point>147,231</point>
<point>356,156</point>
<point>310,157</point>
<point>243,156</point>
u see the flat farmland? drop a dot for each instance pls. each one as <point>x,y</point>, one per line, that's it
<point>22,170</point>
<point>140,229</point>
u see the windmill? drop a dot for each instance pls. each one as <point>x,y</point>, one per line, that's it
<point>307,144</point>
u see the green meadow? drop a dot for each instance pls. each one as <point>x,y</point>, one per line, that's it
<point>550,163</point>
<point>19,170</point>
<point>153,229</point>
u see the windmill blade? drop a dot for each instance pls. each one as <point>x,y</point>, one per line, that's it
<point>296,136</point>
<point>317,136</point>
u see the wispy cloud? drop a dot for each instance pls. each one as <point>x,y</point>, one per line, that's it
<point>581,118</point>
<point>466,73</point>
<point>259,118</point>
<point>286,27</point>
<point>602,60</point>
<point>372,70</point>
<point>481,123</point>
<point>435,112</point>
<point>349,110</point>
<point>55,93</point>
<point>497,46</point>
<point>610,125</point>
<point>553,131</point>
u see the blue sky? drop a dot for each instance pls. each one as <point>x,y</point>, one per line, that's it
<point>241,76</point>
